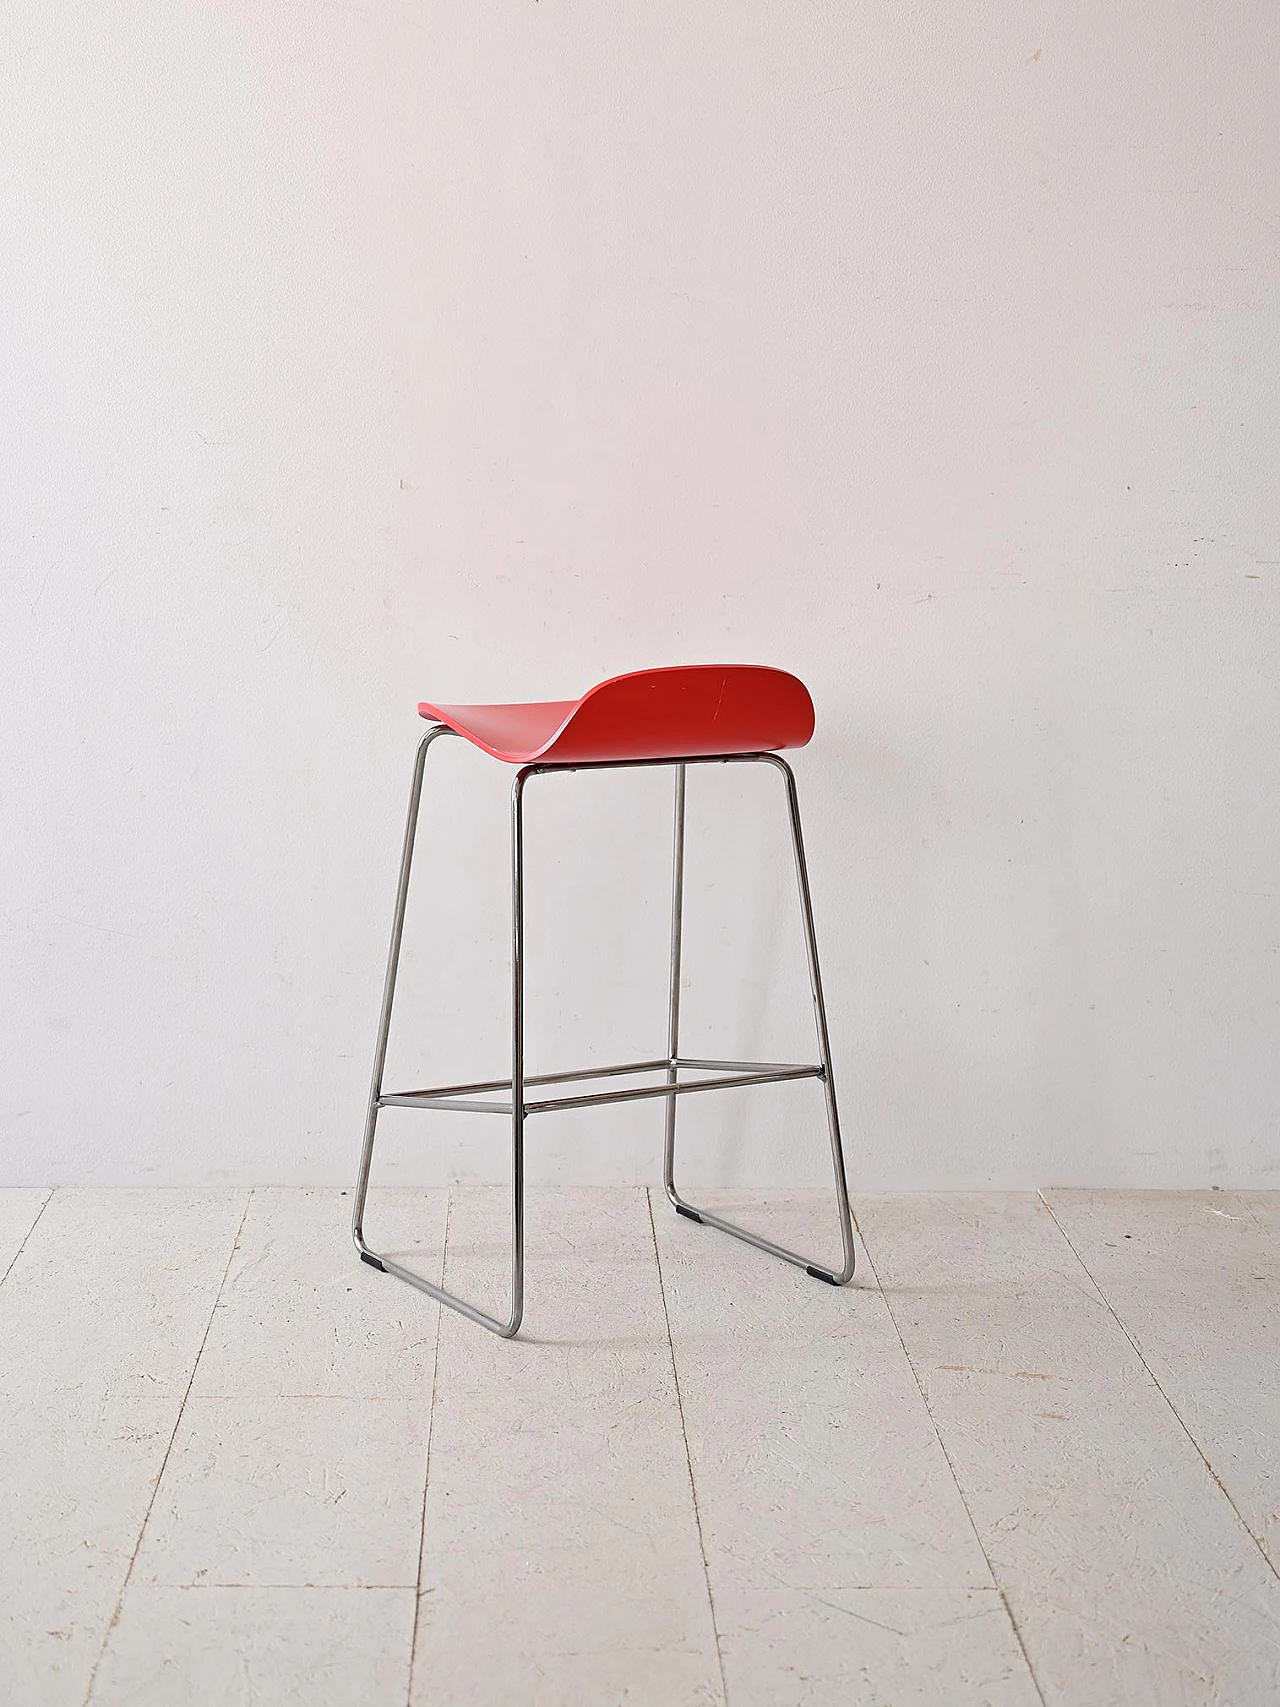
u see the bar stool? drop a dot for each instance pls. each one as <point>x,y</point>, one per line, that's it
<point>694,715</point>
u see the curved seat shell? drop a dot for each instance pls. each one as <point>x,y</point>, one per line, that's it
<point>689,711</point>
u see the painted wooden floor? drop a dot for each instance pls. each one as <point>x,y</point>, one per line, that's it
<point>1032,1456</point>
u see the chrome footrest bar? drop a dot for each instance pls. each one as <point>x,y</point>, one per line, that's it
<point>733,1075</point>
<point>730,1081</point>
<point>543,1079</point>
<point>447,1104</point>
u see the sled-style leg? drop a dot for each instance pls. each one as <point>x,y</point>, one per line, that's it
<point>836,1277</point>
<point>507,1326</point>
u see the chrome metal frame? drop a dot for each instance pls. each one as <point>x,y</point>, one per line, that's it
<point>713,1075</point>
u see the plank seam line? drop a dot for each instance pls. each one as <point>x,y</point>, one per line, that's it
<point>1260,1222</point>
<point>177,1423</point>
<point>426,1468</point>
<point>688,1456</point>
<point>1137,1351</point>
<point>915,1376</point>
<point>48,1199</point>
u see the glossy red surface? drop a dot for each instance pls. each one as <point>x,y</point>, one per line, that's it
<point>684,712</point>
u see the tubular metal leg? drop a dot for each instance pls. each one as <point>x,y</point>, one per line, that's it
<point>495,1323</point>
<point>673,993</point>
<point>845,1273</point>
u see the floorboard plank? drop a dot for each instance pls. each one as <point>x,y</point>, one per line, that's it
<point>301,1316</point>
<point>561,1563</point>
<point>258,1647</point>
<point>843,1565</point>
<point>299,1461</point>
<point>280,1559</point>
<point>101,1324</point>
<point>1131,1578</point>
<point>1195,1281</point>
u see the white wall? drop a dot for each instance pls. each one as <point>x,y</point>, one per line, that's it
<point>474,350</point>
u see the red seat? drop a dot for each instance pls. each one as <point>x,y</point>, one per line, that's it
<point>690,711</point>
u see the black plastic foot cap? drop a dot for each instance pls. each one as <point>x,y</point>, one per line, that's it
<point>689,1214</point>
<point>373,1262</point>
<point>821,1274</point>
